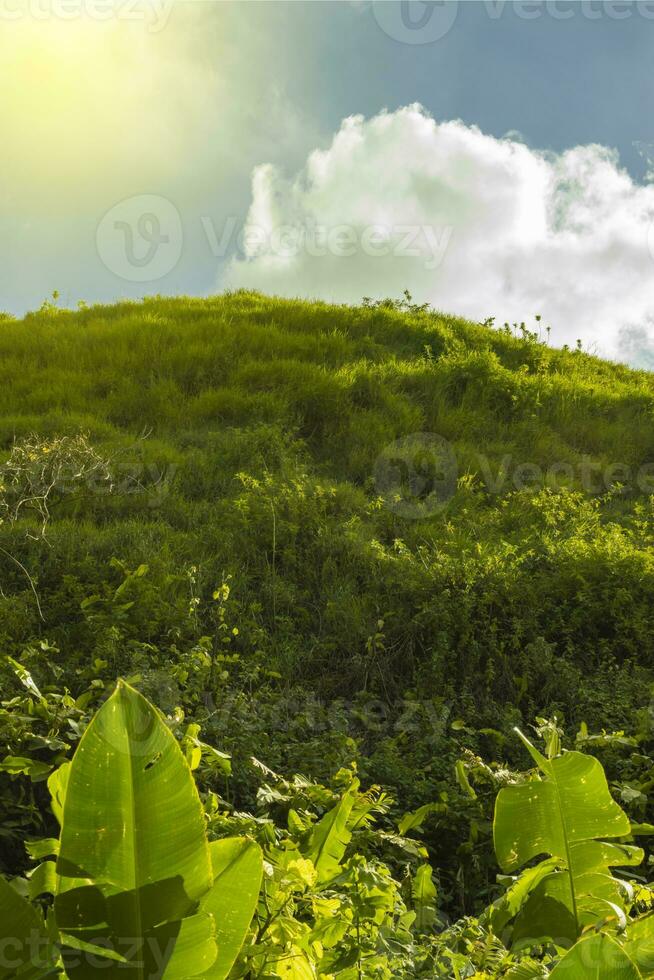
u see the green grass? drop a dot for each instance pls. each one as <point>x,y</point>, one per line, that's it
<point>264,418</point>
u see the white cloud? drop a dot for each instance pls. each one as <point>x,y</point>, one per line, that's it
<point>492,228</point>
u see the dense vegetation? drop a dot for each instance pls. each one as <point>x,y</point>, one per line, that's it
<point>191,498</point>
<point>136,885</point>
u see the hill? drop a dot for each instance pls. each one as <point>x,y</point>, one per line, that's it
<point>226,499</point>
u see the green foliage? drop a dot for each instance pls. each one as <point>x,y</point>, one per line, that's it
<point>571,899</point>
<point>134,886</point>
<point>137,890</point>
<point>204,473</point>
<point>265,419</point>
<point>568,814</point>
<point>596,956</point>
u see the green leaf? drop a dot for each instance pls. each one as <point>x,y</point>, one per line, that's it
<point>57,785</point>
<point>195,948</point>
<point>599,957</point>
<point>511,902</point>
<point>642,829</point>
<point>294,965</point>
<point>25,947</point>
<point>331,835</point>
<point>563,815</point>
<point>415,820</point>
<point>20,766</point>
<point>237,865</point>
<point>195,749</point>
<point>134,860</point>
<point>331,926</point>
<point>527,970</point>
<point>547,915</point>
<point>72,942</point>
<point>544,816</point>
<point>42,847</point>
<point>424,898</point>
<point>25,677</point>
<point>42,880</point>
<point>463,781</point>
<point>640,944</point>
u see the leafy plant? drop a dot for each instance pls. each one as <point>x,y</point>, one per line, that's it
<point>564,810</point>
<point>137,888</point>
<point>598,956</point>
<point>266,595</point>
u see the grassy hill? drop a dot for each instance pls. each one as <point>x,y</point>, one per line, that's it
<point>248,561</point>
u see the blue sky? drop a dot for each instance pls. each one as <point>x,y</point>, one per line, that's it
<point>559,82</point>
<point>148,126</point>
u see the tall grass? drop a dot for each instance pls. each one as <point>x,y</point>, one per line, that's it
<point>263,419</point>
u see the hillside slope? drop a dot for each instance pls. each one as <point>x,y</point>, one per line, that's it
<point>262,421</point>
<point>250,541</point>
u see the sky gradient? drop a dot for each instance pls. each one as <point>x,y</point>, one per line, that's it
<point>132,132</point>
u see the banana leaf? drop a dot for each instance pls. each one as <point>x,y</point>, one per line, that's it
<point>566,812</point>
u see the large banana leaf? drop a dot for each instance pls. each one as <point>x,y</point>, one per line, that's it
<point>237,868</point>
<point>134,861</point>
<point>507,907</point>
<point>598,957</point>
<point>564,814</point>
